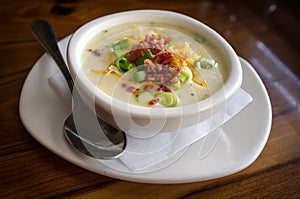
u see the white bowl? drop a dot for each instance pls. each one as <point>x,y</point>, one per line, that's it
<point>143,121</point>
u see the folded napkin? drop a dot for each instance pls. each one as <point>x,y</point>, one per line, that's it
<point>142,153</point>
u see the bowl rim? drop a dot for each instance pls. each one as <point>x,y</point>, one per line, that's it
<point>231,85</point>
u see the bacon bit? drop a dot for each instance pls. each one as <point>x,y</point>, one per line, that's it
<point>135,91</point>
<point>130,89</point>
<point>178,71</point>
<point>163,58</point>
<point>148,87</point>
<point>153,102</point>
<point>164,88</point>
<point>168,39</point>
<point>95,52</point>
<point>154,43</point>
<point>133,55</point>
<point>174,79</point>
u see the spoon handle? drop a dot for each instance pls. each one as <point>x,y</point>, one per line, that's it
<point>44,33</point>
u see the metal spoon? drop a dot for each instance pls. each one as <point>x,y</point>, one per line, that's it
<point>84,130</point>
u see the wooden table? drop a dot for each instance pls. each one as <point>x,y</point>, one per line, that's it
<point>266,33</point>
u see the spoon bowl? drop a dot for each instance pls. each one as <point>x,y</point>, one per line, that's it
<point>82,128</point>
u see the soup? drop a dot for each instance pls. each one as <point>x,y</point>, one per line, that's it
<point>153,65</point>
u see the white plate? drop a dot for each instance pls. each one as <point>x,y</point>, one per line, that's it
<point>238,145</point>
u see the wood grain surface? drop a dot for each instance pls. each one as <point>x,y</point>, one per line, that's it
<point>266,33</point>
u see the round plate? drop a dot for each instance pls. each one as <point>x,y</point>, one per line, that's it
<point>238,145</point>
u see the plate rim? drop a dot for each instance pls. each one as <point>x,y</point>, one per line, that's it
<point>136,177</point>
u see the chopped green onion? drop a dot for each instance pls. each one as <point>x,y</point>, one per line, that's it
<point>140,61</point>
<point>140,67</point>
<point>167,99</point>
<point>183,76</point>
<point>119,52</point>
<point>205,63</point>
<point>199,39</point>
<point>139,76</point>
<point>123,64</point>
<point>176,85</point>
<point>121,44</point>
<point>170,44</point>
<point>144,97</point>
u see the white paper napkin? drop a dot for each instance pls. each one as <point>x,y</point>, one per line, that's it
<point>142,153</point>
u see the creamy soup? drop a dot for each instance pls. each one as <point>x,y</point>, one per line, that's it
<point>153,65</point>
